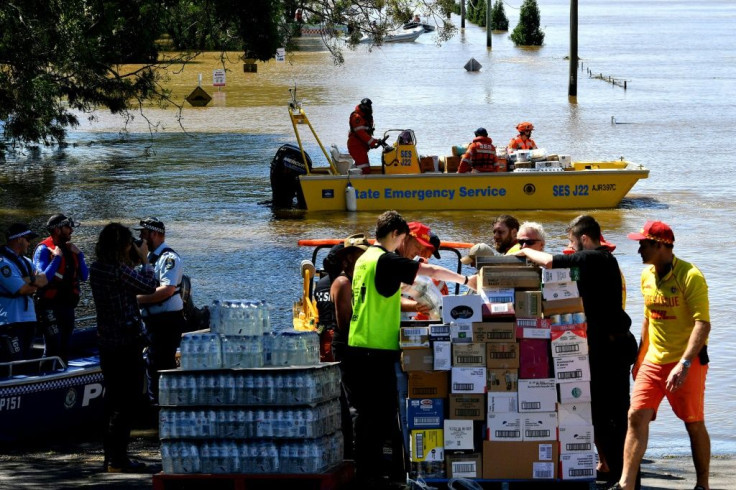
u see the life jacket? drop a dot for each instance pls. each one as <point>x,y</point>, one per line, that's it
<point>519,144</point>
<point>22,266</point>
<point>376,318</point>
<point>361,126</point>
<point>480,156</point>
<point>64,286</point>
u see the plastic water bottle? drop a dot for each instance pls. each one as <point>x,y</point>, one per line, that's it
<point>189,459</point>
<point>167,461</point>
<point>267,348</point>
<point>213,351</point>
<point>164,390</point>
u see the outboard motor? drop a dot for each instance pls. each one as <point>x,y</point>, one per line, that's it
<point>286,167</point>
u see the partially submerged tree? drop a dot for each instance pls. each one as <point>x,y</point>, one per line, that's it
<point>499,21</point>
<point>62,58</point>
<point>527,32</point>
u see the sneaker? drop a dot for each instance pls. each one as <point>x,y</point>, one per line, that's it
<point>128,467</point>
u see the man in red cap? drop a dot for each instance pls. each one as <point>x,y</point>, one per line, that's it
<point>673,357</point>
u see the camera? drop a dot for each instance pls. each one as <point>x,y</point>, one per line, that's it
<point>138,242</point>
<point>133,255</point>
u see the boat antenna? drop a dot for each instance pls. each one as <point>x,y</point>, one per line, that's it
<point>294,104</point>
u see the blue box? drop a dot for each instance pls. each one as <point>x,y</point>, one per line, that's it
<point>425,413</point>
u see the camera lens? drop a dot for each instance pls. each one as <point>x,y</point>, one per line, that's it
<point>138,242</point>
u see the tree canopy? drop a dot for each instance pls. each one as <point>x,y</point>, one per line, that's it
<point>62,58</point>
<point>527,32</point>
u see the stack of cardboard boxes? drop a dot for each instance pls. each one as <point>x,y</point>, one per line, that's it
<point>482,398</point>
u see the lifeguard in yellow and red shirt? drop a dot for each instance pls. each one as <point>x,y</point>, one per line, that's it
<point>524,140</point>
<point>360,137</point>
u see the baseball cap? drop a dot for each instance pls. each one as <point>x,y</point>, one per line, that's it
<point>152,224</point>
<point>358,241</point>
<point>17,230</point>
<point>610,247</point>
<point>654,230</point>
<point>477,250</point>
<point>59,220</point>
<point>421,233</point>
<point>435,241</point>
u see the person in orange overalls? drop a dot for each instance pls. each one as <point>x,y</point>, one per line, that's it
<point>360,137</point>
<point>524,140</point>
<point>480,155</point>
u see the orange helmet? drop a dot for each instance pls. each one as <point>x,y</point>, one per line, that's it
<point>525,126</point>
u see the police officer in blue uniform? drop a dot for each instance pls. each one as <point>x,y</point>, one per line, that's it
<point>162,310</point>
<point>19,281</point>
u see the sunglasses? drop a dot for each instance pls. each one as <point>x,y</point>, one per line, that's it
<point>527,241</point>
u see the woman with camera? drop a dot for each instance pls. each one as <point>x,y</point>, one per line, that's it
<point>121,335</point>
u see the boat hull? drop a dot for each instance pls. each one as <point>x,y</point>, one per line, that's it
<point>577,189</point>
<point>38,405</point>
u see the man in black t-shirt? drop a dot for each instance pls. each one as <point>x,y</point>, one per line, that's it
<point>612,348</point>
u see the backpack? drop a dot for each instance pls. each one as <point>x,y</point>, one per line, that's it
<point>194,318</point>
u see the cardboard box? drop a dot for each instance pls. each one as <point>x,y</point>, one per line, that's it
<point>574,414</point>
<point>440,332</point>
<point>416,337</point>
<point>417,360</point>
<point>571,368</point>
<point>426,164</point>
<point>428,384</point>
<point>569,342</point>
<point>425,413</point>
<point>493,332</point>
<point>534,361</point>
<point>442,353</point>
<point>560,290</point>
<point>502,355</point>
<point>503,402</point>
<point>500,380</point>
<point>539,426</point>
<point>574,392</point>
<point>532,328</point>
<point>577,466</point>
<point>560,275</point>
<point>560,306</point>
<point>458,435</point>
<point>450,163</point>
<point>472,354</point>
<point>504,427</point>
<point>537,395</point>
<point>519,460</point>
<point>464,465</point>
<point>508,277</point>
<point>528,304</point>
<point>467,406</point>
<point>426,445</point>
<point>468,380</point>
<point>576,438</point>
<point>497,310</point>
<point>462,309</point>
<point>461,332</point>
<point>497,295</point>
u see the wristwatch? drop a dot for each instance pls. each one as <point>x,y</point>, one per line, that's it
<point>685,363</point>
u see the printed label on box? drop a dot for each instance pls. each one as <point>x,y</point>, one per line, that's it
<point>539,426</point>
<point>493,332</point>
<point>426,413</point>
<point>560,275</point>
<point>442,355</point>
<point>464,308</point>
<point>458,434</point>
<point>574,392</point>
<point>413,337</point>
<point>461,333</point>
<point>498,295</point>
<point>528,304</point>
<point>571,368</point>
<point>577,466</point>
<point>472,354</point>
<point>503,379</point>
<point>504,427</point>
<point>469,406</point>
<point>576,438</point>
<point>560,290</point>
<point>426,445</point>
<point>537,395</point>
<point>502,354</point>
<point>569,342</point>
<point>499,402</point>
<point>468,380</point>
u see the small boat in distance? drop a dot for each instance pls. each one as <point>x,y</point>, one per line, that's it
<point>400,35</point>
<point>412,24</point>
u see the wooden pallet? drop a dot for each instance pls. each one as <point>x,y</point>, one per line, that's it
<point>333,479</point>
<point>441,483</point>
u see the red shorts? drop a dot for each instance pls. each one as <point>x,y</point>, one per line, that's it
<point>687,402</point>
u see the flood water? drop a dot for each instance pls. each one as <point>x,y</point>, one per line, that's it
<point>206,183</point>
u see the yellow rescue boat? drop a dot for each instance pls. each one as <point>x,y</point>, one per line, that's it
<point>404,182</point>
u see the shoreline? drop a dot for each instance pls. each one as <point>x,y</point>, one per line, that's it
<point>78,463</point>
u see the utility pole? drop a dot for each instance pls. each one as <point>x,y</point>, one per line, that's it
<point>489,41</point>
<point>462,14</point>
<point>572,89</point>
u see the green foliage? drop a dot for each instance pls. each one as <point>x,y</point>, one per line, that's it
<point>527,31</point>
<point>499,21</point>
